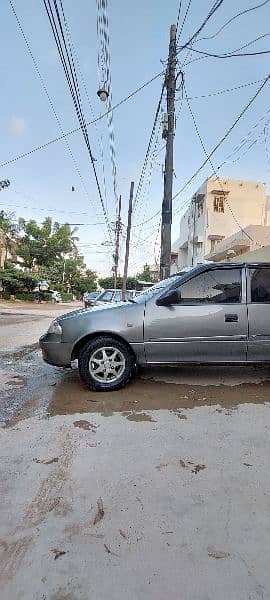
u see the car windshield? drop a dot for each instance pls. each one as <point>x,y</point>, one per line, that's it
<point>106,296</point>
<point>161,285</point>
<point>157,287</point>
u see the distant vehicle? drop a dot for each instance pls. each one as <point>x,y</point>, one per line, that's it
<point>89,298</point>
<point>112,296</point>
<point>56,296</point>
<point>214,313</point>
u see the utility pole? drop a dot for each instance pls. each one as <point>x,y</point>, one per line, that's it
<point>118,227</point>
<point>166,224</point>
<point>124,288</point>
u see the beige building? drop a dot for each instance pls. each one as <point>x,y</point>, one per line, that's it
<point>218,210</point>
<point>246,240</point>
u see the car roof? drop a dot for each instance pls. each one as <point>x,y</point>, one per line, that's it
<point>220,265</point>
<point>117,290</point>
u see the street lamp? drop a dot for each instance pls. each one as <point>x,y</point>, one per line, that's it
<point>103,94</point>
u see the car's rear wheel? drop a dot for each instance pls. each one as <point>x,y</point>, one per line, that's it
<point>106,364</point>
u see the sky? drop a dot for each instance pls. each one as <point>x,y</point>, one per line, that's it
<point>41,183</point>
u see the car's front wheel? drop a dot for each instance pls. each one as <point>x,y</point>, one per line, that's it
<point>106,364</point>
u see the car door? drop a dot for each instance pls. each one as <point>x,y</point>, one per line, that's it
<point>258,297</point>
<point>208,323</point>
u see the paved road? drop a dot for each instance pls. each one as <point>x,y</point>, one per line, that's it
<point>158,490</point>
<point>22,324</point>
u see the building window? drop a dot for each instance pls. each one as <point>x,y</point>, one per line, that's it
<point>213,245</point>
<point>199,247</point>
<point>200,208</point>
<point>219,204</point>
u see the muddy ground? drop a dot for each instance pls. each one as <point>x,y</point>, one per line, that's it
<point>158,490</point>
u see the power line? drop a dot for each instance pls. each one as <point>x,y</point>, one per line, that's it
<point>212,165</point>
<point>178,14</point>
<point>98,133</point>
<point>104,63</point>
<point>224,137</point>
<point>184,20</point>
<point>236,54</point>
<point>77,129</point>
<point>226,90</point>
<point>247,10</point>
<point>46,92</point>
<point>266,149</point>
<point>144,167</point>
<point>217,4</point>
<point>66,57</point>
<point>148,183</point>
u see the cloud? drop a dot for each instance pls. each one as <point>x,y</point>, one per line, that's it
<point>17,126</point>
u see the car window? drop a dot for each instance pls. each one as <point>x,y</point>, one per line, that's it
<point>118,296</point>
<point>107,296</point>
<point>219,286</point>
<point>130,295</point>
<point>260,285</point>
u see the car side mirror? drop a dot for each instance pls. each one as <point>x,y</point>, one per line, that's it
<point>170,298</point>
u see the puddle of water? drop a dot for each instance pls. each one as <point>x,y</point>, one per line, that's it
<point>141,397</point>
<point>51,391</point>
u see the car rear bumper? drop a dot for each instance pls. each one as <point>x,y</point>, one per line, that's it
<point>55,353</point>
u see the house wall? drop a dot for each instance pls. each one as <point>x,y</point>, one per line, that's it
<point>244,203</point>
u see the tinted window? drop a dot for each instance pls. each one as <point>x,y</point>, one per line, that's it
<point>106,296</point>
<point>118,296</point>
<point>220,286</point>
<point>260,285</point>
<point>129,295</point>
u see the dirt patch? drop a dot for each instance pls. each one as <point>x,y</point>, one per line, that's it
<point>83,424</point>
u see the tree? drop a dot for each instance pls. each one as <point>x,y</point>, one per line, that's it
<point>46,244</point>
<point>87,283</point>
<point>145,275</point>
<point>108,283</point>
<point>8,232</point>
<point>14,281</point>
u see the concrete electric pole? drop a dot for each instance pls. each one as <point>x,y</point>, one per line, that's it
<point>166,224</point>
<point>124,288</point>
<point>118,228</point>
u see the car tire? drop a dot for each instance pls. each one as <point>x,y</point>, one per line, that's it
<point>113,375</point>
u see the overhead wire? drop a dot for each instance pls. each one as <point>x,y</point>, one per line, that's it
<point>215,171</point>
<point>98,133</point>
<point>145,195</point>
<point>46,92</point>
<point>66,58</point>
<point>148,150</point>
<point>217,4</point>
<point>178,15</point>
<point>243,12</point>
<point>223,56</point>
<point>104,64</point>
<point>184,20</point>
<point>226,90</point>
<point>224,137</point>
<point>77,129</point>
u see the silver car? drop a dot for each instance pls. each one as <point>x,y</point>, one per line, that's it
<point>215,313</point>
<point>112,296</point>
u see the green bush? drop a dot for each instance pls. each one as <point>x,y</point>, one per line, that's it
<point>6,295</point>
<point>25,296</point>
<point>66,297</point>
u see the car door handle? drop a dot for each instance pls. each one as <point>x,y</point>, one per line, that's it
<point>231,318</point>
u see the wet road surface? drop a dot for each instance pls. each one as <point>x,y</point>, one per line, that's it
<point>158,490</point>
